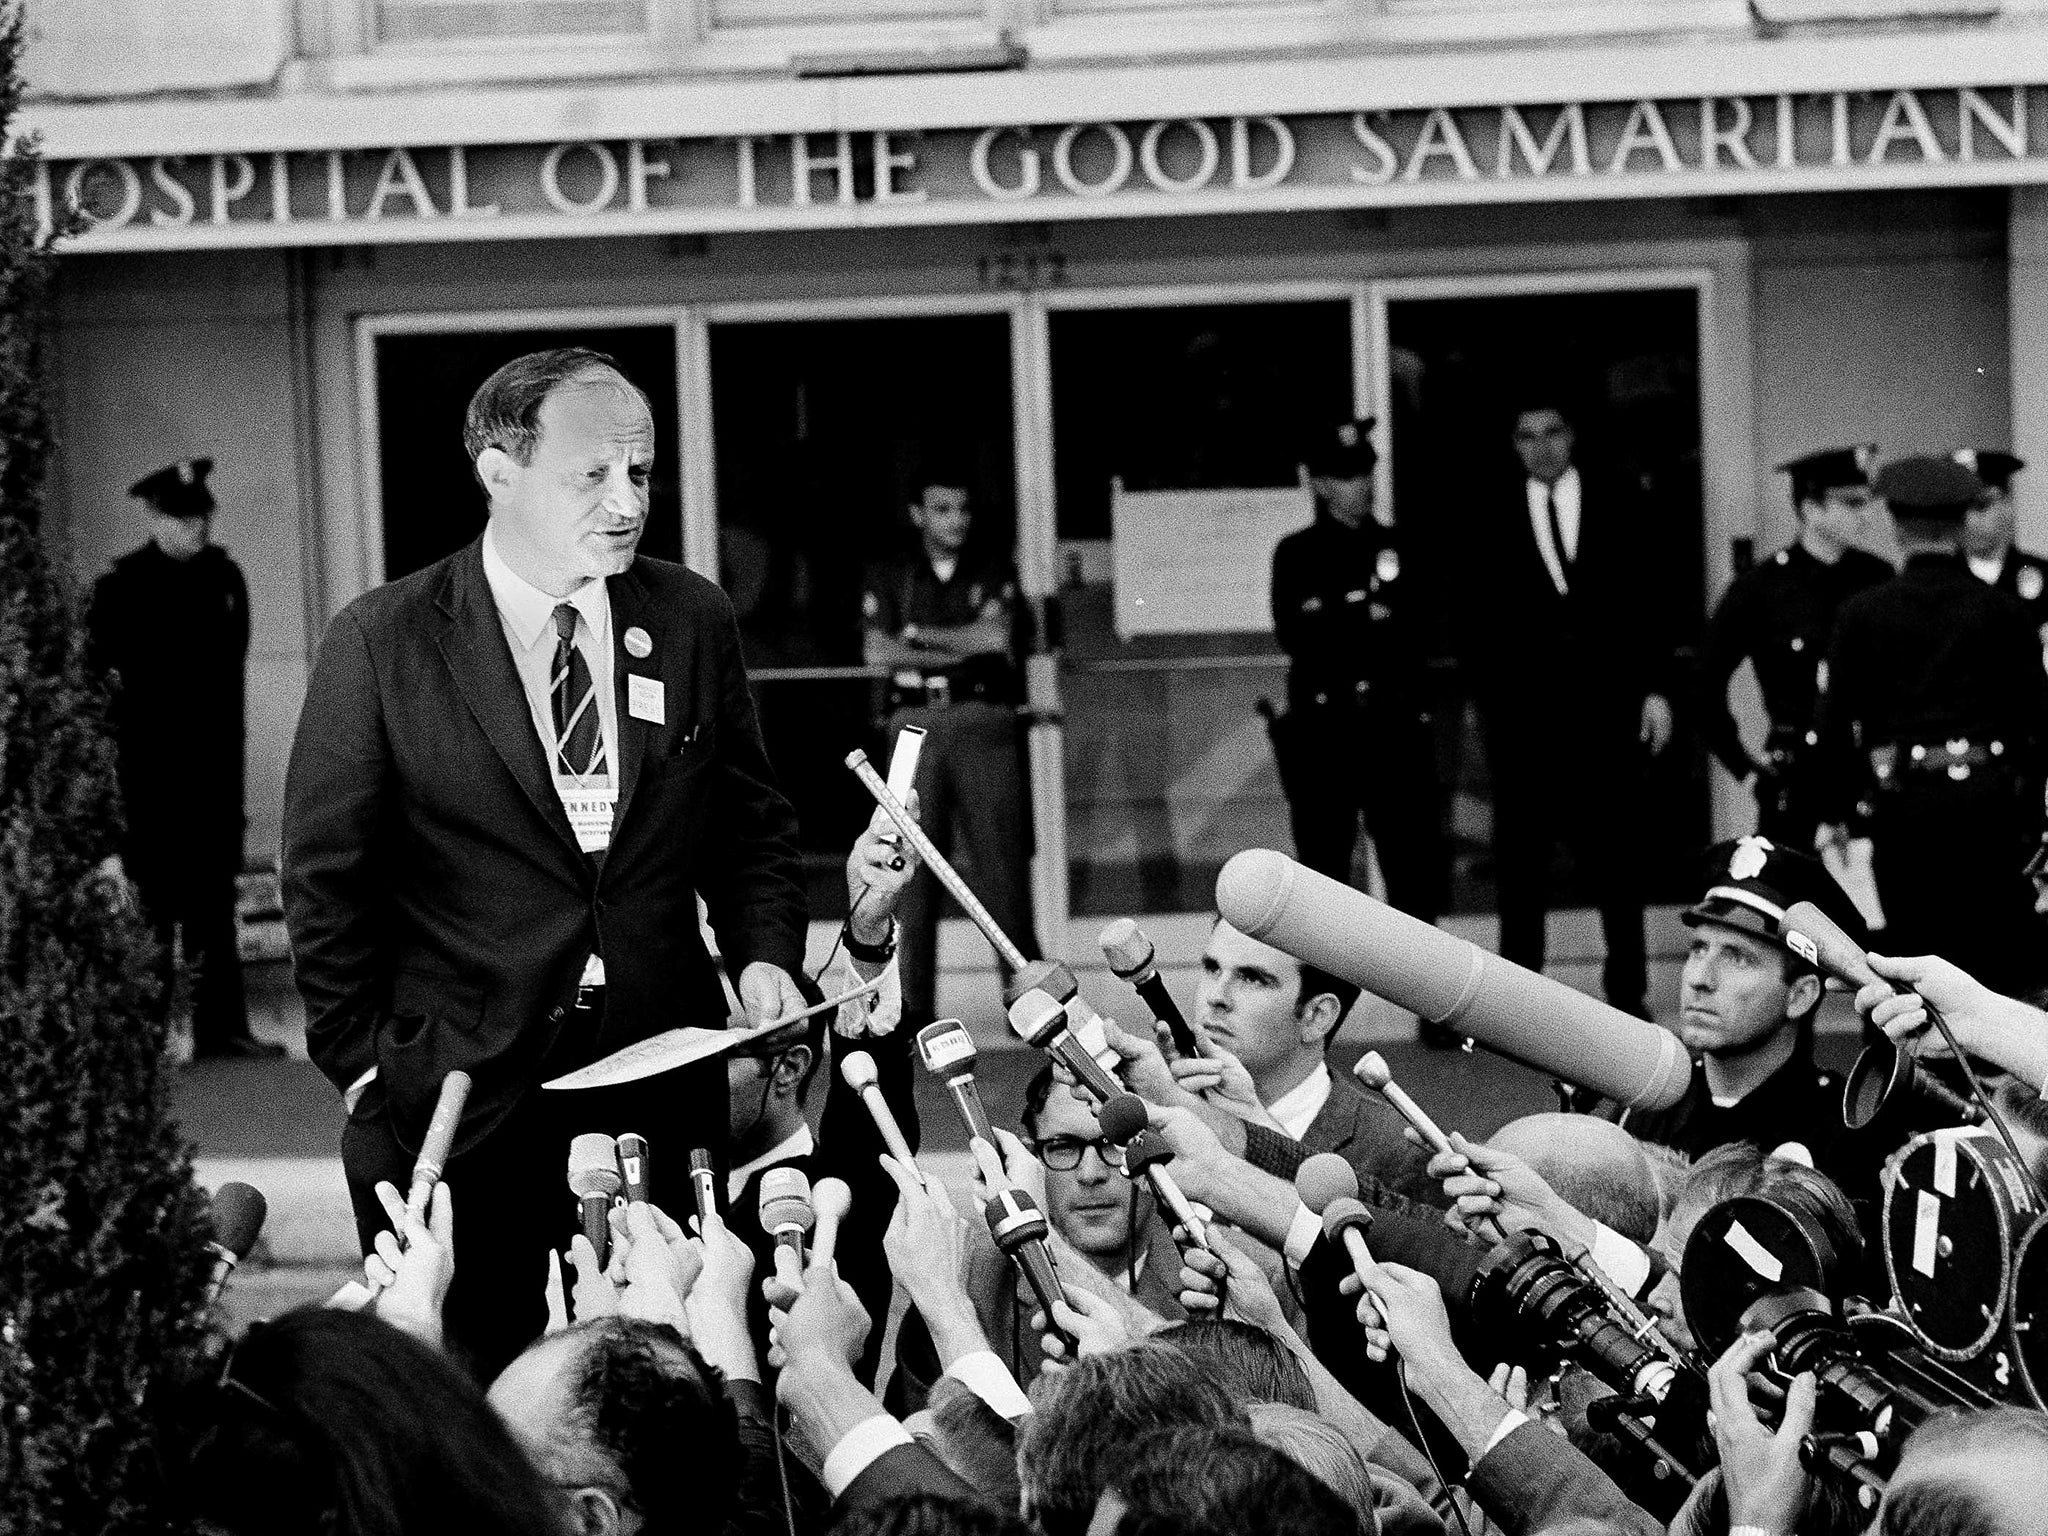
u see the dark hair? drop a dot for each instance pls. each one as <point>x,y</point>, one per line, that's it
<point>773,1047</point>
<point>1089,1415</point>
<point>1947,1503</point>
<point>975,1443</point>
<point>1315,981</point>
<point>505,410</point>
<point>334,1422</point>
<point>1323,1451</point>
<point>1743,1168</point>
<point>1036,1093</point>
<point>1243,1359</point>
<point>1225,1478</point>
<point>926,1514</point>
<point>645,1399</point>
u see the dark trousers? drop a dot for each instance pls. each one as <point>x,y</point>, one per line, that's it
<point>511,1193</point>
<point>1948,857</point>
<point>201,907</point>
<point>1580,783</point>
<point>970,784</point>
<point>1338,764</point>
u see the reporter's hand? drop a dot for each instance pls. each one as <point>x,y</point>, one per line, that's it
<point>1654,727</point>
<point>825,1323</point>
<point>926,1242</point>
<point>1402,1309</point>
<point>1008,1166</point>
<point>1766,1484</point>
<point>411,1279</point>
<point>1512,1383</point>
<point>717,1303</point>
<point>767,993</point>
<point>1248,1289</point>
<point>658,1267</point>
<point>873,888</point>
<point>593,1292</point>
<point>1967,1004</point>
<point>1485,1184</point>
<point>1095,1326</point>
<point>1220,1079</point>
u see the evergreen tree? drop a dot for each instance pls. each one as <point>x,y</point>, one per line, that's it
<point>102,1266</point>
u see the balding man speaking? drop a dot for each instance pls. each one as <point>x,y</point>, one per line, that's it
<point>515,772</point>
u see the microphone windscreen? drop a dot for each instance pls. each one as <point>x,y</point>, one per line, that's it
<point>1052,977</point>
<point>785,1200</point>
<point>1448,980</point>
<point>1324,1178</point>
<point>1123,1118</point>
<point>594,1165</point>
<point>1036,1014</point>
<point>238,1214</point>
<point>831,1199</point>
<point>946,1046</point>
<point>1340,1214</point>
<point>1126,948</point>
<point>858,1068</point>
<point>1819,940</point>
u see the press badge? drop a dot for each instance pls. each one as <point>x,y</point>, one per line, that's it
<point>644,700</point>
<point>588,799</point>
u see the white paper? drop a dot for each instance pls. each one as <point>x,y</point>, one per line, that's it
<point>644,699</point>
<point>1926,1230</point>
<point>1754,1253</point>
<point>1199,562</point>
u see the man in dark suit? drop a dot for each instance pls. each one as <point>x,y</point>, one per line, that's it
<point>515,772</point>
<point>1566,660</point>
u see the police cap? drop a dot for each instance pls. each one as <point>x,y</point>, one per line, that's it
<point>1924,486</point>
<point>177,490</point>
<point>1993,466</point>
<point>1342,452</point>
<point>1752,881</point>
<point>1815,474</point>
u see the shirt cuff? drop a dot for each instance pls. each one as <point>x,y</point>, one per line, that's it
<point>1302,1233</point>
<point>984,1374</point>
<point>1621,1260</point>
<point>1507,1426</point>
<point>860,1448</point>
<point>872,1013</point>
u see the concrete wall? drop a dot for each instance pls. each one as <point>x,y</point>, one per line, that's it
<point>171,357</point>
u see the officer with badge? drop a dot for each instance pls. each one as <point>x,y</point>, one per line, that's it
<point>1746,1012</point>
<point>169,626</point>
<point>1933,725</point>
<point>1988,537</point>
<point>1780,615</point>
<point>946,620</point>
<point>1356,738</point>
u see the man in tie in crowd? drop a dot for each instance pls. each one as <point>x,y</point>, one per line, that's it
<point>169,625</point>
<point>515,772</point>
<point>1566,653</point>
<point>1780,615</point>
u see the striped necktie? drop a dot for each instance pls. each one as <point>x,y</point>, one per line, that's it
<point>579,739</point>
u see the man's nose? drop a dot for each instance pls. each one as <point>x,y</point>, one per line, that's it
<point>1093,1168</point>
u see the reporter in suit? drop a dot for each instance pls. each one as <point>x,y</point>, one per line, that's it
<point>515,772</point>
<point>1567,661</point>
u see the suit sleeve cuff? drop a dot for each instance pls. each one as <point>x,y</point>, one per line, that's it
<point>1515,1420</point>
<point>1622,1261</point>
<point>984,1374</point>
<point>860,1448</point>
<point>1302,1233</point>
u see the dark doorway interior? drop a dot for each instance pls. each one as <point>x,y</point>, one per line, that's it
<point>1628,363</point>
<point>432,504</point>
<point>823,432</point>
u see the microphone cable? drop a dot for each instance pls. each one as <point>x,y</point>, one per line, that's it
<point>1422,1441</point>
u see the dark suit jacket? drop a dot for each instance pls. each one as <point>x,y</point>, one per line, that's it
<point>439,907</point>
<point>1534,1479</point>
<point>899,1473</point>
<point>1365,1131</point>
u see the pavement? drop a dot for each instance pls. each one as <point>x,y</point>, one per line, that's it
<point>277,1124</point>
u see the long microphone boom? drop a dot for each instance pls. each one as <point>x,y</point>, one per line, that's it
<point>1448,980</point>
<point>949,1054</point>
<point>238,1215</point>
<point>1130,954</point>
<point>594,1181</point>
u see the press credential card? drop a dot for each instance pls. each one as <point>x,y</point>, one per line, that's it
<point>644,700</point>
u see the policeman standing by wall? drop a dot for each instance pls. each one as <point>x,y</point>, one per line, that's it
<point>1356,738</point>
<point>945,620</point>
<point>1781,616</point>
<point>1934,716</point>
<point>1988,537</point>
<point>169,624</point>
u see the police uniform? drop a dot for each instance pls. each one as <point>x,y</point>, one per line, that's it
<point>970,777</point>
<point>1751,882</point>
<point>1357,736</point>
<point>1780,615</point>
<point>172,636</point>
<point>1934,715</point>
<point>2021,576</point>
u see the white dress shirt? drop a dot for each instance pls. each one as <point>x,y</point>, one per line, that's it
<point>1565,494</point>
<point>799,1143</point>
<point>1297,1108</point>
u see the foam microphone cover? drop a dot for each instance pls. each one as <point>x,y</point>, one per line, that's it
<point>859,1070</point>
<point>1324,1178</point>
<point>1451,981</point>
<point>785,1200</point>
<point>1123,1118</point>
<point>1126,948</point>
<point>594,1166</point>
<point>1819,940</point>
<point>238,1215</point>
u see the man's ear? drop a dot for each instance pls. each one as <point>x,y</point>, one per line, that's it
<point>1804,995</point>
<point>1319,1018</point>
<point>791,1066</point>
<point>498,470</point>
<point>593,1512</point>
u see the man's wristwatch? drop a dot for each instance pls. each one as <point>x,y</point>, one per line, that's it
<point>870,954</point>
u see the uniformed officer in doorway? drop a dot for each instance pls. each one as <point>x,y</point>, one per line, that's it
<point>1357,738</point>
<point>1780,615</point>
<point>1988,537</point>
<point>947,619</point>
<point>169,626</point>
<point>1933,722</point>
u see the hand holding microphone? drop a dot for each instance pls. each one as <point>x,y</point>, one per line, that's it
<point>238,1215</point>
<point>1130,954</point>
<point>948,1053</point>
<point>787,1216</point>
<point>1373,1072</point>
<point>1329,1186</point>
<point>440,1138</point>
<point>594,1181</point>
<point>1126,1121</point>
<point>1040,1020</point>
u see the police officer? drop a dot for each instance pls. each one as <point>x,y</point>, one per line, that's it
<point>1781,615</point>
<point>1933,720</point>
<point>946,619</point>
<point>1356,738</point>
<point>169,625</point>
<point>1988,536</point>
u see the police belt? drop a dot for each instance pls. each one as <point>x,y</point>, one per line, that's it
<point>1957,758</point>
<point>988,682</point>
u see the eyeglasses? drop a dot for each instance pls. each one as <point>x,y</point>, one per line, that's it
<point>1062,1154</point>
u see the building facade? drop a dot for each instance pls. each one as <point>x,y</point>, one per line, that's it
<point>1110,254</point>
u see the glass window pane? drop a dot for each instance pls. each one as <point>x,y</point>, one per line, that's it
<point>787,13</point>
<point>437,21</point>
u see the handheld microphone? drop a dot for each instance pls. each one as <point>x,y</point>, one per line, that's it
<point>238,1214</point>
<point>594,1181</point>
<point>858,1068</point>
<point>1040,1019</point>
<point>1448,980</point>
<point>1124,1120</point>
<point>1131,956</point>
<point>1052,977</point>
<point>1020,1230</point>
<point>1372,1070</point>
<point>830,1201</point>
<point>949,1053</point>
<point>1329,1186</point>
<point>426,1168</point>
<point>786,1213</point>
<point>703,1184</point>
<point>635,1167</point>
